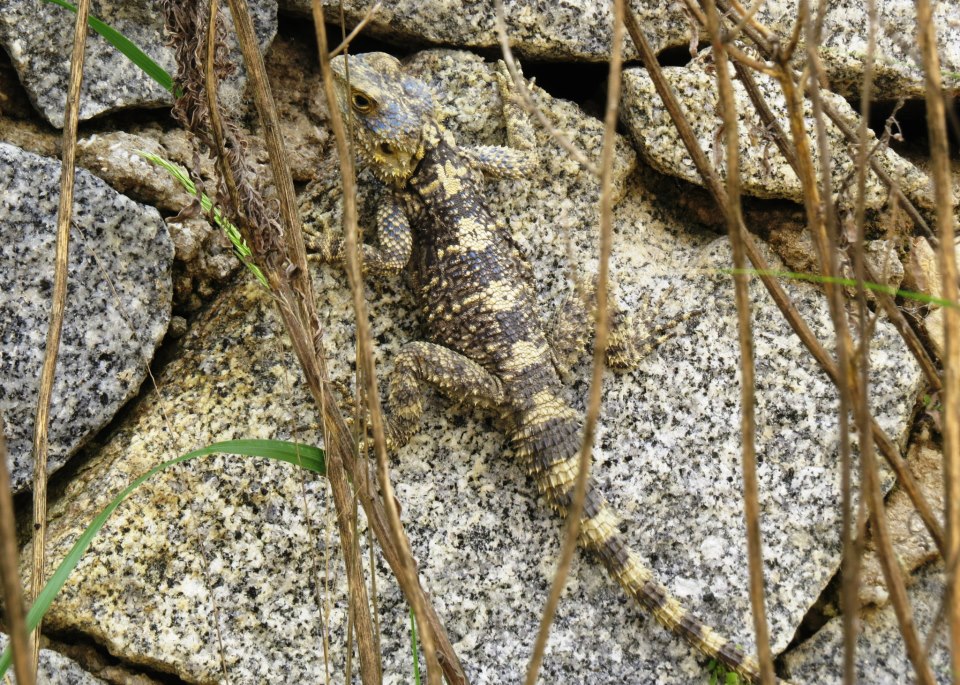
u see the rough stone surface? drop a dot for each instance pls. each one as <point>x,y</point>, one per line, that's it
<point>922,273</point>
<point>764,172</point>
<point>911,541</point>
<point>667,453</point>
<point>574,29</point>
<point>56,669</point>
<point>39,37</point>
<point>581,30</point>
<point>105,347</point>
<point>881,659</point>
<point>204,260</point>
<point>898,67</point>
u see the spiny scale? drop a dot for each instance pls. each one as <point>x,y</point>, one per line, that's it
<point>485,343</point>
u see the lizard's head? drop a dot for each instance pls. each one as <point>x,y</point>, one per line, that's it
<point>391,111</point>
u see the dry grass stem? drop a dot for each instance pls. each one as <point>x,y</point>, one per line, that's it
<point>734,217</point>
<point>14,612</point>
<point>887,446</point>
<point>853,396</point>
<point>852,545</point>
<point>575,510</point>
<point>526,99</point>
<point>302,325</point>
<point>406,570</point>
<point>57,307</point>
<point>345,43</point>
<point>940,167</point>
<point>917,348</point>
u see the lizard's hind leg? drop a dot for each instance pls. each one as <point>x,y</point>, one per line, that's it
<point>630,338</point>
<point>454,375</point>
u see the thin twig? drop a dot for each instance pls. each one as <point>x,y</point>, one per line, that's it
<point>10,575</point>
<point>782,141</point>
<point>820,221</point>
<point>734,217</point>
<point>364,342</point>
<point>942,191</point>
<point>57,307</point>
<point>850,573</point>
<point>887,446</point>
<point>345,43</point>
<point>575,509</point>
<point>745,18</point>
<point>526,99</point>
<point>303,302</point>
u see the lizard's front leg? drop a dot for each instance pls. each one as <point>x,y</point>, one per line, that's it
<point>423,363</point>
<point>519,157</point>
<point>395,238</point>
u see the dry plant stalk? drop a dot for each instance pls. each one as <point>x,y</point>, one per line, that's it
<point>821,216</point>
<point>10,574</point>
<point>602,324</point>
<point>849,389</point>
<point>525,98</point>
<point>407,569</point>
<point>280,255</point>
<point>887,446</point>
<point>734,217</point>
<point>940,166</point>
<point>57,307</point>
<point>853,544</point>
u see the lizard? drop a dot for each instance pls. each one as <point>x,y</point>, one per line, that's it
<point>485,344</point>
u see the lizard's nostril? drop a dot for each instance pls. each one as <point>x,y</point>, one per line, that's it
<point>386,148</point>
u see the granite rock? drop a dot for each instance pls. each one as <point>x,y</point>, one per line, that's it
<point>56,669</point>
<point>39,38</point>
<point>581,31</point>
<point>898,67</point>
<point>105,347</point>
<point>538,29</point>
<point>911,542</point>
<point>764,172</point>
<point>667,453</point>
<point>881,659</point>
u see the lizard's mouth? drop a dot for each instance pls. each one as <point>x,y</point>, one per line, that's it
<point>394,163</point>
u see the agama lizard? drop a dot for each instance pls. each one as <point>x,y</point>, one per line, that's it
<point>485,343</point>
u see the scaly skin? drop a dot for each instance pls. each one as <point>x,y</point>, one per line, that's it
<point>485,343</point>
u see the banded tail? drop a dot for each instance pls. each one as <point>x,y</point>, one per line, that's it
<point>548,441</point>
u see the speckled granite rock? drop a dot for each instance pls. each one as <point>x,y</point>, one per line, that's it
<point>881,659</point>
<point>912,543</point>
<point>764,172</point>
<point>668,453</point>
<point>204,259</point>
<point>56,669</point>
<point>581,30</point>
<point>104,350</point>
<point>898,68</point>
<point>539,29</point>
<point>39,36</point>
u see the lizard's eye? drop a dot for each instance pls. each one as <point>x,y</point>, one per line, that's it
<point>386,148</point>
<point>361,102</point>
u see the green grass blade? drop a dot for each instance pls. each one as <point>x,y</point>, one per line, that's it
<point>416,651</point>
<point>240,247</point>
<point>126,46</point>
<point>311,458</point>
<point>848,282</point>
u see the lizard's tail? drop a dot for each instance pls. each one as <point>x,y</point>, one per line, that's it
<point>549,443</point>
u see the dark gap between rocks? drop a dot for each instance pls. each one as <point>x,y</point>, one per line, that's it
<point>912,120</point>
<point>94,658</point>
